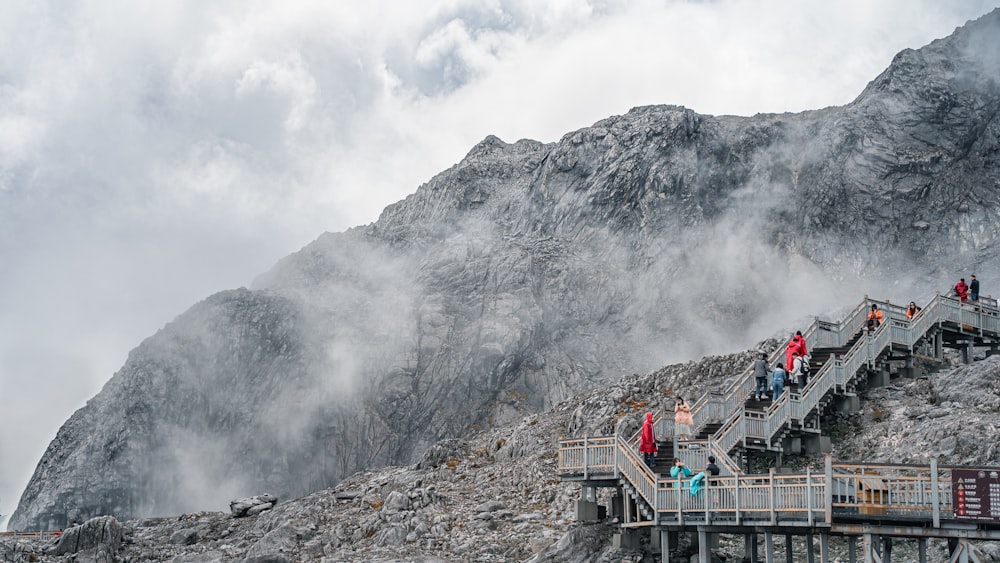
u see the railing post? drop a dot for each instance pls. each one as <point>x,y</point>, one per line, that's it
<point>770,487</point>
<point>615,450</point>
<point>828,516</point>
<point>708,499</point>
<point>809,496</point>
<point>935,500</point>
<point>736,482</point>
<point>677,486</point>
<point>586,457</point>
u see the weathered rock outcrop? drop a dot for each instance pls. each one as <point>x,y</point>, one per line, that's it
<point>529,272</point>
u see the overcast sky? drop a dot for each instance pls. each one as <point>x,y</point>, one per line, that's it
<point>153,153</point>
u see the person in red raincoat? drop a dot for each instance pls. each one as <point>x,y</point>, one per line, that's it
<point>796,344</point>
<point>647,441</point>
<point>962,290</point>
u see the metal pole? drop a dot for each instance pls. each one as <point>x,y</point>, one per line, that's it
<point>586,460</point>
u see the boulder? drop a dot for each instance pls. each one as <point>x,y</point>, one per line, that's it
<point>102,534</point>
<point>252,506</point>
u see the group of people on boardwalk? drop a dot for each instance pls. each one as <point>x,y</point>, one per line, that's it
<point>683,421</point>
<point>967,291</point>
<point>795,368</point>
<point>797,361</point>
<point>679,471</point>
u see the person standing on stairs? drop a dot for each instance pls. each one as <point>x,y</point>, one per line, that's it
<point>760,371</point>
<point>682,419</point>
<point>777,381</point>
<point>874,318</point>
<point>962,290</point>
<point>798,370</point>
<point>796,344</point>
<point>647,441</point>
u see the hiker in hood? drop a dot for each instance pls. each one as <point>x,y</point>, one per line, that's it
<point>647,441</point>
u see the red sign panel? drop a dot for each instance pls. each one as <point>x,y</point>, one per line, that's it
<point>975,494</point>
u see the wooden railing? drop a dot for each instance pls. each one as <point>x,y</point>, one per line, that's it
<point>841,491</point>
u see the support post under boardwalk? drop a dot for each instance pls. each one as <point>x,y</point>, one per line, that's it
<point>886,549</point>
<point>750,547</point>
<point>852,549</point>
<point>704,549</point>
<point>824,548</point>
<point>788,549</point>
<point>810,554</point>
<point>664,546</point>
<point>922,550</point>
<point>768,547</point>
<point>871,543</point>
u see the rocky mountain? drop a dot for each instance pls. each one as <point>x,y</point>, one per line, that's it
<point>530,272</point>
<point>495,495</point>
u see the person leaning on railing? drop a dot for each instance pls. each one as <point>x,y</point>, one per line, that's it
<point>679,471</point>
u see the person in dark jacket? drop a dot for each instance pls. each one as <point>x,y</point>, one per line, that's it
<point>974,288</point>
<point>712,468</point>
<point>760,371</point>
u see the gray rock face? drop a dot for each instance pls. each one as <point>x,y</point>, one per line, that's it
<point>529,272</point>
<point>101,536</point>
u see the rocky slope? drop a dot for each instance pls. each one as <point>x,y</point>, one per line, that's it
<point>530,272</point>
<point>496,496</point>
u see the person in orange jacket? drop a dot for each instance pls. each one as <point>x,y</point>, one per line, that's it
<point>912,310</point>
<point>874,317</point>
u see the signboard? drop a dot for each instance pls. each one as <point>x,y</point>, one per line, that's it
<point>975,494</point>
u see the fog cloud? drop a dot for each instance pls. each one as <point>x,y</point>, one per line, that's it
<point>154,153</point>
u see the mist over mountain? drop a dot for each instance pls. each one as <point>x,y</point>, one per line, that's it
<point>530,272</point>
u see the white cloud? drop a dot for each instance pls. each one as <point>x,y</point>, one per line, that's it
<point>152,153</point>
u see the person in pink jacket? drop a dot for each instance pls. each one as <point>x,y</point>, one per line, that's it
<point>796,344</point>
<point>682,419</point>
<point>647,441</point>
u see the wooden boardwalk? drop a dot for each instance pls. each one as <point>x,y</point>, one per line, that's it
<point>866,503</point>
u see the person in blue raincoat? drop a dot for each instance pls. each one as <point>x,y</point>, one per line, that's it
<point>679,471</point>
